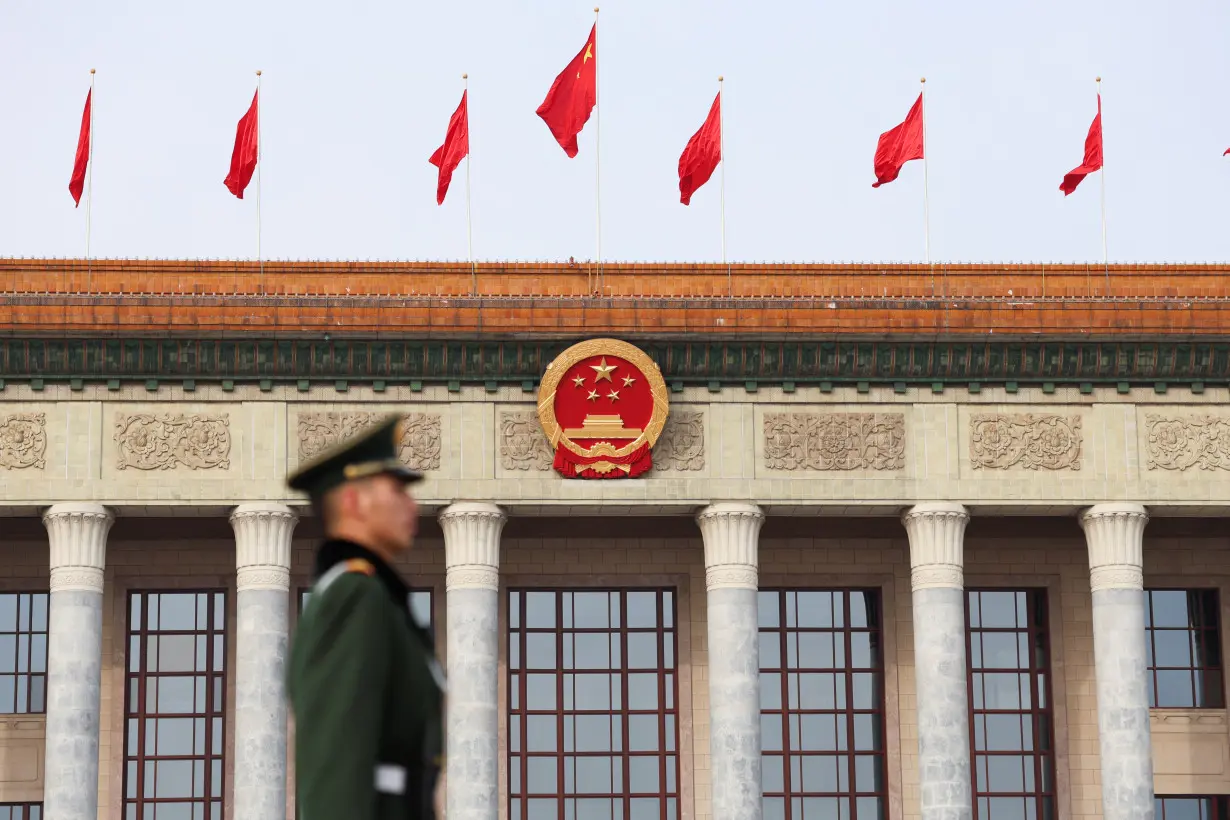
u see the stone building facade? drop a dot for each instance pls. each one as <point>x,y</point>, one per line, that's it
<point>913,545</point>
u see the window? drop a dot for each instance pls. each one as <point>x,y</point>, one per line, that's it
<point>821,705</point>
<point>592,705</point>
<point>21,811</point>
<point>176,678</point>
<point>1010,704</point>
<point>23,654</point>
<point>421,606</point>
<point>1191,808</point>
<point>1183,648</point>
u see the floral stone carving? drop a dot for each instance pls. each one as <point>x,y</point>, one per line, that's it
<point>523,445</point>
<point>1180,443</point>
<point>999,441</point>
<point>420,439</point>
<point>23,441</point>
<point>834,441</point>
<point>681,447</point>
<point>149,442</point>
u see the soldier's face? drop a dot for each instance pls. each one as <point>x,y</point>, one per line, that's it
<point>391,513</point>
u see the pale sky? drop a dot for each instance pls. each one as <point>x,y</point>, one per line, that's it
<point>356,95</point>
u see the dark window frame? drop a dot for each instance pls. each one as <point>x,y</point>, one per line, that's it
<point>21,811</point>
<point>1206,679</point>
<point>668,716</point>
<point>875,629</point>
<point>25,640</point>
<point>1217,806</point>
<point>214,696</point>
<point>1041,711</point>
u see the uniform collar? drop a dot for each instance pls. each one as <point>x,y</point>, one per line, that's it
<point>336,550</point>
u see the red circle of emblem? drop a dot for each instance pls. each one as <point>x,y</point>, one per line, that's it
<point>602,404</point>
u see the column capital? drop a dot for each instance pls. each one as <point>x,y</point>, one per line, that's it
<point>936,530</point>
<point>1115,537</point>
<point>263,535</point>
<point>731,531</point>
<point>472,544</point>
<point>78,536</point>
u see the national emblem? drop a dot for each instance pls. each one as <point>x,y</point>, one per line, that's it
<point>606,435</point>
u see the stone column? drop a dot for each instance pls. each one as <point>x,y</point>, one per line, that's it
<point>1115,534</point>
<point>262,597</point>
<point>730,532</point>
<point>937,531</point>
<point>472,580</point>
<point>78,536</point>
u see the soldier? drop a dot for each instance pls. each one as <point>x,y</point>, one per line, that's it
<point>363,681</point>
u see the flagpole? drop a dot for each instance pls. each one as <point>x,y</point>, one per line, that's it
<point>722,154</point>
<point>597,161</point>
<point>926,180</point>
<point>469,234</point>
<point>259,150</point>
<point>1102,123</point>
<point>89,197</point>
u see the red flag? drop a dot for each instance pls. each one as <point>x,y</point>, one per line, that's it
<point>243,158</point>
<point>1093,155</point>
<point>702,154</point>
<point>572,96</point>
<point>456,145</point>
<point>899,145</point>
<point>76,183</point>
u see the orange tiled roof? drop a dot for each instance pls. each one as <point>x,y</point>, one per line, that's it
<point>430,299</point>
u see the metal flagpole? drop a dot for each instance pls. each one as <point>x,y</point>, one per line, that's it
<point>1102,125</point>
<point>597,161</point>
<point>926,180</point>
<point>722,157</point>
<point>89,197</point>
<point>259,150</point>
<point>469,234</point>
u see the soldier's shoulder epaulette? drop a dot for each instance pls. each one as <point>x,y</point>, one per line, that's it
<point>360,565</point>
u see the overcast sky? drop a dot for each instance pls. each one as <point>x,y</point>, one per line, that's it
<point>356,96</point>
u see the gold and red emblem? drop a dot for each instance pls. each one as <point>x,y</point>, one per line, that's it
<point>602,404</point>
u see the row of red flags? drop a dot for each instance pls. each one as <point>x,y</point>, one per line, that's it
<point>566,110</point>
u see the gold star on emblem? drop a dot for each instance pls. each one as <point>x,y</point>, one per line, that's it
<point>579,381</point>
<point>603,370</point>
<point>628,381</point>
<point>593,394</point>
<point>613,395</point>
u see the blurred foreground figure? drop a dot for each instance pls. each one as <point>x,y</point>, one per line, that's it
<point>363,681</point>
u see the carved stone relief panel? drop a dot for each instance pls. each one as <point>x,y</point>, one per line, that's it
<point>834,441</point>
<point>523,445</point>
<point>999,441</point>
<point>681,447</point>
<point>420,439</point>
<point>23,441</point>
<point>1182,443</point>
<point>165,442</point>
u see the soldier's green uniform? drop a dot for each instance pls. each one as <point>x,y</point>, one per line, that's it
<point>363,680</point>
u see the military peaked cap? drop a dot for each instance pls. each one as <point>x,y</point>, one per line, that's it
<point>371,452</point>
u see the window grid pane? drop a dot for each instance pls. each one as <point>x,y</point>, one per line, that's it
<point>1184,648</point>
<point>1010,704</point>
<point>21,811</point>
<point>593,719</point>
<point>822,704</point>
<point>1191,807</point>
<point>23,653</point>
<point>174,704</point>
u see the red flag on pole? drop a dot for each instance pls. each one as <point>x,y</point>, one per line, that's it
<point>899,145</point>
<point>243,157</point>
<point>456,145</point>
<point>76,183</point>
<point>702,154</point>
<point>1093,155</point>
<point>572,96</point>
